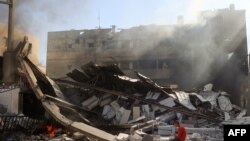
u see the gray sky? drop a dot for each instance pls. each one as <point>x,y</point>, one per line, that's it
<point>40,16</point>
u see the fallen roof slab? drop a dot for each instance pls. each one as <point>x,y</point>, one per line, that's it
<point>54,110</point>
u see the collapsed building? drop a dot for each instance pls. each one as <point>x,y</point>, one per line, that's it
<point>189,55</point>
<point>104,102</point>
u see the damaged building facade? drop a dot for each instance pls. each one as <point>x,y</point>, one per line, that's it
<point>102,93</point>
<point>189,55</point>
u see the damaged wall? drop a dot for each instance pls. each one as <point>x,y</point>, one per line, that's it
<point>189,55</point>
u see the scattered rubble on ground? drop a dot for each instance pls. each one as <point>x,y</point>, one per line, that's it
<point>102,103</point>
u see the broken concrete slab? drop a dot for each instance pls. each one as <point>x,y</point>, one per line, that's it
<point>224,103</point>
<point>184,99</point>
<point>108,112</point>
<point>54,110</point>
<point>115,105</point>
<point>125,116</point>
<point>89,101</point>
<point>122,137</point>
<point>136,112</point>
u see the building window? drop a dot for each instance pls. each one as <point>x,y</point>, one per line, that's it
<point>70,46</point>
<point>90,45</point>
<point>77,41</point>
<point>104,43</point>
<point>147,64</point>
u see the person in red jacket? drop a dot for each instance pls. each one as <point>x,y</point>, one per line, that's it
<point>181,135</point>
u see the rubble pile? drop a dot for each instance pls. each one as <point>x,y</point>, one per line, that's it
<point>121,100</point>
<point>102,103</point>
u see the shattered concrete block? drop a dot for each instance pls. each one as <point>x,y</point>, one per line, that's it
<point>184,99</point>
<point>145,110</point>
<point>123,97</point>
<point>122,137</point>
<point>106,96</point>
<point>90,100</point>
<point>125,116</point>
<point>115,105</point>
<point>156,96</point>
<point>240,121</point>
<point>108,112</point>
<point>196,137</point>
<point>155,108</point>
<point>138,119</point>
<point>105,102</point>
<point>136,112</point>
<point>151,115</point>
<point>149,95</point>
<point>93,105</point>
<point>188,125</point>
<point>213,132</point>
<point>118,115</point>
<point>227,116</point>
<point>167,117</point>
<point>77,135</point>
<point>135,137</point>
<point>241,114</point>
<point>152,95</point>
<point>224,103</point>
<point>166,130</point>
<point>167,102</point>
<point>208,87</point>
<point>147,138</point>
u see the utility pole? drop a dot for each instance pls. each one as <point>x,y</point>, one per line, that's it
<point>9,62</point>
<point>10,23</point>
<point>10,26</point>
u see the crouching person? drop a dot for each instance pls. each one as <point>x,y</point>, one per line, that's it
<point>181,134</point>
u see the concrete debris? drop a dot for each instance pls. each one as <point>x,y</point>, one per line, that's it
<point>184,99</point>
<point>123,101</point>
<point>227,116</point>
<point>122,137</point>
<point>135,137</point>
<point>208,87</point>
<point>110,106</point>
<point>240,121</point>
<point>108,112</point>
<point>136,113</point>
<point>241,114</point>
<point>166,130</point>
<point>224,103</point>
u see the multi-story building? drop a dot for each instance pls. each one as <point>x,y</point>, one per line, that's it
<point>214,50</point>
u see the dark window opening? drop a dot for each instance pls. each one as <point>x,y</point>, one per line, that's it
<point>90,45</point>
<point>70,46</point>
<point>77,41</point>
<point>147,64</point>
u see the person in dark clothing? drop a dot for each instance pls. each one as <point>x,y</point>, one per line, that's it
<point>181,135</point>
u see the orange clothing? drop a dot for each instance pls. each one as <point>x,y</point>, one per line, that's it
<point>181,133</point>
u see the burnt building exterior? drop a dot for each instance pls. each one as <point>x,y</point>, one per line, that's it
<point>213,51</point>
